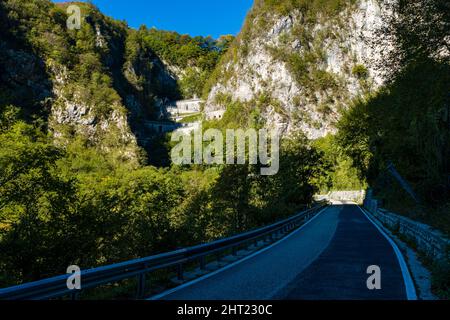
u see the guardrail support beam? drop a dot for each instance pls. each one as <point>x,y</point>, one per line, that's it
<point>75,295</point>
<point>141,286</point>
<point>202,263</point>
<point>180,272</point>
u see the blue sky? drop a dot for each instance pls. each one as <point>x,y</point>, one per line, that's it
<point>194,17</point>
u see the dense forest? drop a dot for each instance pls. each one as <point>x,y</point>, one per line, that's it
<point>70,198</point>
<point>61,206</point>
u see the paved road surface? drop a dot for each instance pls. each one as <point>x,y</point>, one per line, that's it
<point>326,259</point>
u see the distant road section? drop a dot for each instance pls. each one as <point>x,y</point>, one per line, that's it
<point>327,259</point>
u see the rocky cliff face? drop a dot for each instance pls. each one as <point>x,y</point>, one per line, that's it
<point>100,83</point>
<point>112,114</point>
<point>307,63</point>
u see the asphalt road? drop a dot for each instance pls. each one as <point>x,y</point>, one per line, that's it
<point>327,259</point>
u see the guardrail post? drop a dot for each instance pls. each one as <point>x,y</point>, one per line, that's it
<point>202,263</point>
<point>180,272</point>
<point>234,251</point>
<point>75,295</point>
<point>141,285</point>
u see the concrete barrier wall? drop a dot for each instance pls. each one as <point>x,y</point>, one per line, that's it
<point>354,196</point>
<point>428,240</point>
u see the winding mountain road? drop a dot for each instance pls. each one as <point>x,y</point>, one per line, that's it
<point>325,259</point>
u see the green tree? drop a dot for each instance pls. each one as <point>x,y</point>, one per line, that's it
<point>35,204</point>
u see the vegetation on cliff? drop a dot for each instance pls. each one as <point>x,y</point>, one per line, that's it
<point>195,57</point>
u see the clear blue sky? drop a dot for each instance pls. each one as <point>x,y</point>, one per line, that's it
<point>194,17</point>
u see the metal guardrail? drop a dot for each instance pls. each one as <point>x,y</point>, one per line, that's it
<point>57,286</point>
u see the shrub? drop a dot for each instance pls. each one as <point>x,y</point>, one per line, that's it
<point>360,71</point>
